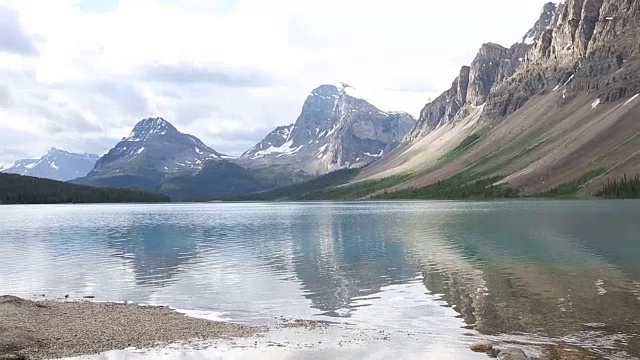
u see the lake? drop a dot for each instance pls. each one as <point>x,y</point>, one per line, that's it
<point>399,279</point>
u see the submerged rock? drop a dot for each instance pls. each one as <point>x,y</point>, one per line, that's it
<point>481,346</point>
<point>512,354</point>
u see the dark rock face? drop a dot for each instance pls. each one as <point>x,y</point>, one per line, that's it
<point>489,64</point>
<point>56,165</point>
<point>575,46</point>
<point>594,47</point>
<point>154,152</point>
<point>492,65</point>
<point>335,130</point>
<point>446,106</point>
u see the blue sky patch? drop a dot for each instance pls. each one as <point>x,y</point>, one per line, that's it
<point>97,6</point>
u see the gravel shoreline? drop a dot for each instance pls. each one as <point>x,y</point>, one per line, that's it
<point>56,329</point>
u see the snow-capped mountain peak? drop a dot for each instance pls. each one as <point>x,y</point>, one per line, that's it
<point>155,146</point>
<point>56,164</point>
<point>149,127</point>
<point>336,129</point>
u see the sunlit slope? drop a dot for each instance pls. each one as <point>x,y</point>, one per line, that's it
<point>544,144</point>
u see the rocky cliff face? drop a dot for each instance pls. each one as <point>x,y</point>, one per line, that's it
<point>445,107</point>
<point>492,66</point>
<point>577,45</point>
<point>336,129</point>
<point>594,46</point>
<point>56,165</point>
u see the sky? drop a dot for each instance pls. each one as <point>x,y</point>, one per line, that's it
<point>78,74</point>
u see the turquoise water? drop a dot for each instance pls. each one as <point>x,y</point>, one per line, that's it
<point>431,276</point>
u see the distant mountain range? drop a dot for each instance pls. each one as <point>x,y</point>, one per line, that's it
<point>335,130</point>
<point>55,164</point>
<point>555,114</point>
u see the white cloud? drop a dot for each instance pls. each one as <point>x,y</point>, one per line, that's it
<point>226,70</point>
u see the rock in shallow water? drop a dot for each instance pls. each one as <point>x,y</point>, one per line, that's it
<point>512,354</point>
<point>481,346</point>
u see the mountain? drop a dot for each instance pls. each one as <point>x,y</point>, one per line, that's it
<point>336,129</point>
<point>157,157</point>
<point>56,165</point>
<point>554,114</point>
<point>153,151</point>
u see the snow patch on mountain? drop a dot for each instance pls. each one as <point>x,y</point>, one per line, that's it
<point>630,100</point>
<point>529,40</point>
<point>285,149</point>
<point>375,155</point>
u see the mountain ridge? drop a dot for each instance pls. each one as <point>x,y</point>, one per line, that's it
<point>492,65</point>
<point>157,157</point>
<point>336,129</point>
<point>56,164</point>
<point>566,110</point>
<point>559,104</point>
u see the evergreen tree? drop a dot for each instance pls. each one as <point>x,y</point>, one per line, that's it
<point>621,188</point>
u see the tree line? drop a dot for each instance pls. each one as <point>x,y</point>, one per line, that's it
<point>18,189</point>
<point>621,188</point>
<point>458,187</point>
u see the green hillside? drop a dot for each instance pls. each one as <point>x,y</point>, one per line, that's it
<point>320,188</point>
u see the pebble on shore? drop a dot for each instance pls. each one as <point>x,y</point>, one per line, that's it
<point>481,346</point>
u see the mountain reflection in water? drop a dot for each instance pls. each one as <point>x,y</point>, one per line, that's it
<point>529,272</point>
